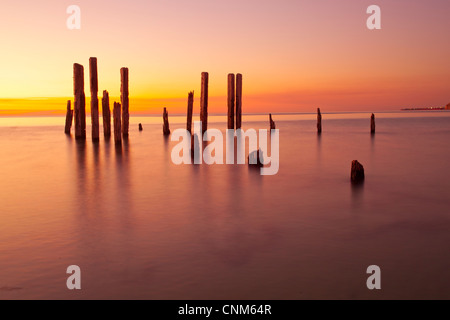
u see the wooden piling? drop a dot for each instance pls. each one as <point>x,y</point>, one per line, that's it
<point>231,99</point>
<point>166,129</point>
<point>238,101</point>
<point>357,172</point>
<point>69,117</point>
<point>195,142</point>
<point>106,115</point>
<point>124,100</point>
<point>93,76</point>
<point>190,108</point>
<point>372,124</point>
<point>319,121</point>
<point>79,101</point>
<point>272,123</point>
<point>204,102</point>
<point>117,123</point>
<point>254,158</point>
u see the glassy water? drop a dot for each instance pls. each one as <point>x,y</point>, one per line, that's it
<point>141,227</point>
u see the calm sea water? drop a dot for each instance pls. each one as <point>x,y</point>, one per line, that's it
<point>141,227</point>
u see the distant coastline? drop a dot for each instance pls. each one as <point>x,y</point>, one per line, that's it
<point>426,109</point>
<point>447,107</point>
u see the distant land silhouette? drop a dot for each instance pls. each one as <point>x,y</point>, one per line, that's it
<point>447,107</point>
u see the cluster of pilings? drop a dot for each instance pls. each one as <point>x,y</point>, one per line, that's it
<point>234,104</point>
<point>120,111</point>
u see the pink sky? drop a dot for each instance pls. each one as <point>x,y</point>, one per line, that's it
<point>294,55</point>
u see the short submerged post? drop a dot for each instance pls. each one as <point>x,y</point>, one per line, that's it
<point>272,123</point>
<point>190,108</point>
<point>204,101</point>
<point>69,117</point>
<point>94,98</point>
<point>166,129</point>
<point>238,101</point>
<point>231,100</point>
<point>255,158</point>
<point>195,146</point>
<point>357,172</point>
<point>372,124</point>
<point>117,123</point>
<point>319,121</point>
<point>106,115</point>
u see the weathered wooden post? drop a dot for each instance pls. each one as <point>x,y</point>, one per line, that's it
<point>124,100</point>
<point>231,96</point>
<point>357,172</point>
<point>106,115</point>
<point>69,117</point>
<point>117,123</point>
<point>319,121</point>
<point>272,123</point>
<point>372,124</point>
<point>79,101</point>
<point>94,98</point>
<point>166,129</point>
<point>254,158</point>
<point>238,101</point>
<point>190,108</point>
<point>195,142</point>
<point>204,102</point>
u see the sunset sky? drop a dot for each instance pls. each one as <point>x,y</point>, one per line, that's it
<point>295,55</point>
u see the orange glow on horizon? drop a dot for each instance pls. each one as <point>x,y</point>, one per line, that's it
<point>295,56</point>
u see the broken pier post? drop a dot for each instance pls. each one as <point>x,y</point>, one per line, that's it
<point>94,98</point>
<point>117,123</point>
<point>357,172</point>
<point>106,115</point>
<point>69,117</point>
<point>231,100</point>
<point>372,124</point>
<point>272,123</point>
<point>256,158</point>
<point>79,101</point>
<point>124,99</point>
<point>166,129</point>
<point>204,101</point>
<point>319,121</point>
<point>238,101</point>
<point>190,108</point>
